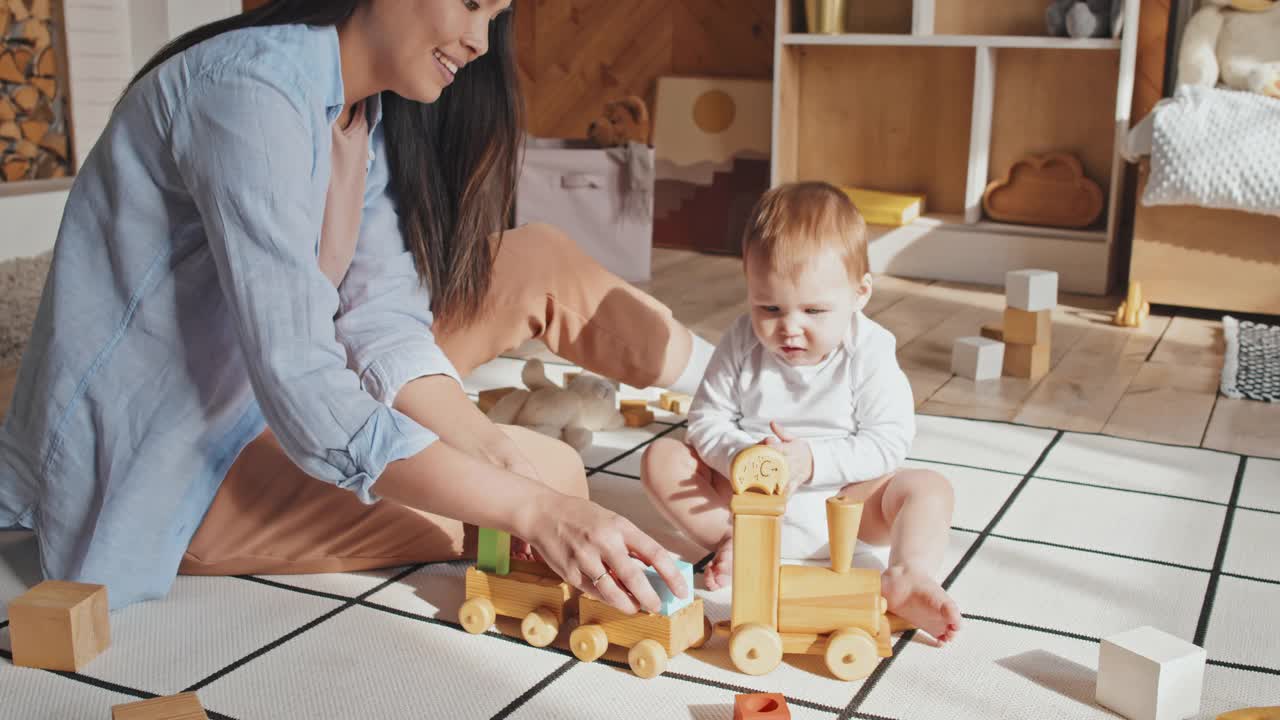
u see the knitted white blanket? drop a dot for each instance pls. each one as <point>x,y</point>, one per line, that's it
<point>1216,148</point>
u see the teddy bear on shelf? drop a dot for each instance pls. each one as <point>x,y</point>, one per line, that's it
<point>1236,42</point>
<point>572,414</point>
<point>1084,18</point>
<point>624,121</point>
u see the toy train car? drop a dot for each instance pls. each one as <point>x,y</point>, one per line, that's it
<point>543,603</point>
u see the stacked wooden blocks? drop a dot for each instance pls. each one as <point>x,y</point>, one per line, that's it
<point>1030,296</point>
<point>1146,674</point>
<point>59,625</point>
<point>1020,346</point>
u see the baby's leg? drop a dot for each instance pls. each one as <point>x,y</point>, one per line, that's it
<point>694,498</point>
<point>911,511</point>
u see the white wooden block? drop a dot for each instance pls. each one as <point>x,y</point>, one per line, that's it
<point>1031,290</point>
<point>977,358</point>
<point>1147,674</point>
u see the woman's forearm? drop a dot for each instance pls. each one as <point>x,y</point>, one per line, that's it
<point>446,481</point>
<point>439,404</point>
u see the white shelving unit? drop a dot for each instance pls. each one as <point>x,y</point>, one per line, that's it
<point>941,98</point>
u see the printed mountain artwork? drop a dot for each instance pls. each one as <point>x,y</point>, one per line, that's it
<point>711,140</point>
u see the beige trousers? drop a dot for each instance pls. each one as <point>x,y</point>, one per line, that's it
<point>270,517</point>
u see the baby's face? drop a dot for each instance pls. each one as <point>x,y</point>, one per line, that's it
<point>802,319</point>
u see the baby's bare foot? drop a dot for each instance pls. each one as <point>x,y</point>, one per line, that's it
<point>921,601</point>
<point>720,569</point>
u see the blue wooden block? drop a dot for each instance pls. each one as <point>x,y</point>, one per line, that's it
<point>493,555</point>
<point>670,603</point>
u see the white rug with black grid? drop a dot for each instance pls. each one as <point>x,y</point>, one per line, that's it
<point>1059,539</point>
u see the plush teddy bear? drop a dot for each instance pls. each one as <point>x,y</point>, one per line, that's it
<point>1235,41</point>
<point>1084,18</point>
<point>624,121</point>
<point>588,404</point>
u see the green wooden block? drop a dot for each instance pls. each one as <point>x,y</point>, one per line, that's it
<point>494,552</point>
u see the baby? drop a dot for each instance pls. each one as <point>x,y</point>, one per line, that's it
<point>807,373</point>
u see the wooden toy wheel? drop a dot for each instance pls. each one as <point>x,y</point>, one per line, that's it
<point>477,615</point>
<point>706,634</point>
<point>588,642</point>
<point>851,654</point>
<point>539,627</point>
<point>755,649</point>
<point>647,659</point>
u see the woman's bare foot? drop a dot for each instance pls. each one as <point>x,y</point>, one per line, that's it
<point>720,569</point>
<point>921,601</point>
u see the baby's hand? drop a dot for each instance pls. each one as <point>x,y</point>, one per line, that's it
<point>799,456</point>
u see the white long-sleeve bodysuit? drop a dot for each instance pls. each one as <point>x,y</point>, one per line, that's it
<point>854,408</point>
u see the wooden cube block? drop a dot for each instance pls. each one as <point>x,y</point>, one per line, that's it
<point>761,706</point>
<point>59,625</point>
<point>1146,674</point>
<point>670,603</point>
<point>675,402</point>
<point>633,405</point>
<point>183,706</point>
<point>489,398</point>
<point>637,418</point>
<point>1027,328</point>
<point>977,358</point>
<point>992,331</point>
<point>1031,290</point>
<point>493,551</point>
<point>1026,361</point>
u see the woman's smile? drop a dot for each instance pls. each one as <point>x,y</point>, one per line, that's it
<point>448,68</point>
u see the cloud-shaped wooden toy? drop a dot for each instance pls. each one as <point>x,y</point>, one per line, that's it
<point>1046,189</point>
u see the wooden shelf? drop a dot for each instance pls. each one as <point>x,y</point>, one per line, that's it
<point>982,252</point>
<point>969,41</point>
<point>955,223</point>
<point>940,97</point>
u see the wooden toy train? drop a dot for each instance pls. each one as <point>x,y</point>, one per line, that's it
<point>834,612</point>
<point>837,613</point>
<point>532,593</point>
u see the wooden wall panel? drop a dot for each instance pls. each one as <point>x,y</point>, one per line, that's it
<point>584,53</point>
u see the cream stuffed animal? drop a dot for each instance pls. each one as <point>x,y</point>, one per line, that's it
<point>1237,41</point>
<point>572,414</point>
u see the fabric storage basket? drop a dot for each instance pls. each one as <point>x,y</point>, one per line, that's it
<point>601,198</point>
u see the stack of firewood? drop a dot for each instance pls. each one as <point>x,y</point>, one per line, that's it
<point>33,115</point>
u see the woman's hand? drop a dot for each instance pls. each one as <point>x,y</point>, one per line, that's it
<point>583,542</point>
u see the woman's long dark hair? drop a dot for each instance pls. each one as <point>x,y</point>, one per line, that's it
<point>453,162</point>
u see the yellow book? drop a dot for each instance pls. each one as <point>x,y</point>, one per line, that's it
<point>882,208</point>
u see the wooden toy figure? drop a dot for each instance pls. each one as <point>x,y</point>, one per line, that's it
<point>1134,309</point>
<point>651,637</point>
<point>837,613</point>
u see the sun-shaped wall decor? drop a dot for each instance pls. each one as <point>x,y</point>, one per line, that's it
<point>712,121</point>
<point>713,111</point>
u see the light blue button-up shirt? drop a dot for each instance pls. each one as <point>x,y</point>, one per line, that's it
<point>186,306</point>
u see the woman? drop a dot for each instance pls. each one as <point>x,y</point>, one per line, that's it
<point>241,306</point>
